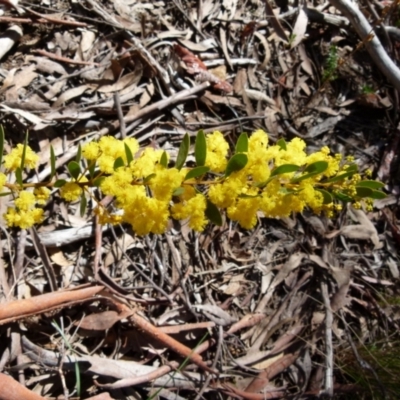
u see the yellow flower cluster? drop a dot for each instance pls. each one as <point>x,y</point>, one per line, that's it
<point>24,214</point>
<point>242,196</point>
<point>12,161</point>
<point>258,179</point>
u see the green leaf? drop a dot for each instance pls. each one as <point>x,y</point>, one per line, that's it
<point>242,144</point>
<point>60,183</point>
<point>200,149</point>
<point>97,182</point>
<point>52,162</point>
<point>282,144</point>
<point>317,167</point>
<point>83,204</point>
<point>178,191</point>
<point>313,169</point>
<point>340,177</point>
<point>328,198</point>
<point>74,169</point>
<point>2,138</point>
<point>352,167</point>
<point>128,153</point>
<point>284,169</point>
<point>248,196</point>
<point>24,152</point>
<point>213,214</point>
<point>371,184</point>
<point>78,154</point>
<point>183,152</point>
<point>377,194</point>
<point>196,172</point>
<point>118,163</point>
<point>236,163</point>
<point>363,191</point>
<point>92,169</point>
<point>18,176</point>
<point>288,191</point>
<point>164,159</point>
<point>342,197</point>
<point>148,178</point>
<point>261,185</point>
<point>3,194</point>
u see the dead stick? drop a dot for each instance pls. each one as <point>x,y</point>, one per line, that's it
<point>247,321</point>
<point>17,20</point>
<point>168,341</point>
<point>55,20</point>
<point>371,41</point>
<point>18,309</point>
<point>64,59</point>
<point>164,103</point>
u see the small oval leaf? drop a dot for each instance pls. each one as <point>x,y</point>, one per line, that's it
<point>342,197</point>
<point>363,191</point>
<point>2,138</point>
<point>284,169</point>
<point>371,184</point>
<point>97,182</point>
<point>74,169</point>
<point>92,169</point>
<point>328,198</point>
<point>52,162</point>
<point>313,169</point>
<point>352,167</point>
<point>164,159</point>
<point>83,205</point>
<point>178,191</point>
<point>340,177</point>
<point>24,152</point>
<point>18,176</point>
<point>128,154</point>
<point>78,154</point>
<point>248,196</point>
<point>200,149</point>
<point>183,152</point>
<point>282,144</point>
<point>148,178</point>
<point>377,195</point>
<point>118,163</point>
<point>236,163</point>
<point>213,214</point>
<point>196,172</point>
<point>60,183</point>
<point>242,144</point>
<point>317,167</point>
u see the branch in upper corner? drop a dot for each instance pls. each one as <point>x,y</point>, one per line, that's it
<point>373,45</point>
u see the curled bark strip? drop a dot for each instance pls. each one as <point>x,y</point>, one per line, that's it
<point>137,380</point>
<point>263,378</point>
<point>11,36</point>
<point>118,369</point>
<point>196,67</point>
<point>191,61</point>
<point>13,390</point>
<point>18,309</point>
<point>242,394</point>
<point>171,343</point>
<point>373,46</point>
<point>42,21</point>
